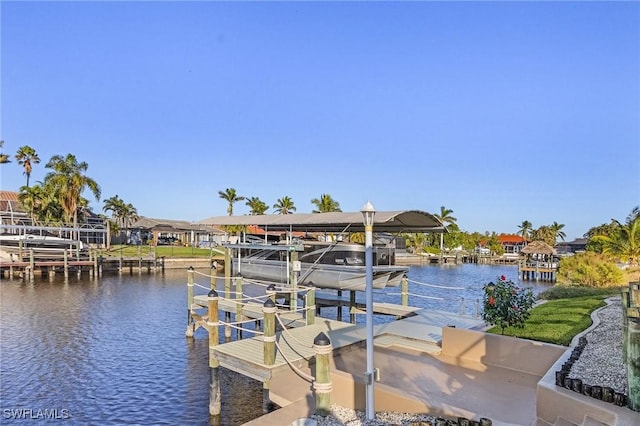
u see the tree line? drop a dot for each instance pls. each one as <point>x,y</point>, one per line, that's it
<point>58,198</point>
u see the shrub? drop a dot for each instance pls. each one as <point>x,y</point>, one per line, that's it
<point>591,270</point>
<point>570,292</point>
<point>505,304</point>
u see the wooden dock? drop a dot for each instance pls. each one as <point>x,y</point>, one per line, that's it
<point>293,339</point>
<point>538,271</point>
<point>67,262</point>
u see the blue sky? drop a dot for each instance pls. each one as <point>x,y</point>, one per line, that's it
<point>500,111</point>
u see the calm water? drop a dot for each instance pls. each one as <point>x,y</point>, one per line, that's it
<point>114,351</point>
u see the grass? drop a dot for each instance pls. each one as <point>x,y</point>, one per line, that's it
<point>160,251</point>
<point>557,321</point>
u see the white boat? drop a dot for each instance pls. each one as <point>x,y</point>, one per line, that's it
<point>339,266</point>
<point>17,247</point>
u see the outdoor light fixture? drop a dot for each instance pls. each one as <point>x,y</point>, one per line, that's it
<point>368,212</point>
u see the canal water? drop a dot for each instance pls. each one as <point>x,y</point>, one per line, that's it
<point>113,351</point>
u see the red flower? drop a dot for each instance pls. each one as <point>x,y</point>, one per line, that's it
<point>492,301</point>
<point>503,278</point>
<point>515,308</point>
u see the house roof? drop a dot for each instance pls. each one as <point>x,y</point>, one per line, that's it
<point>9,202</point>
<point>510,238</point>
<point>169,225</point>
<point>538,247</point>
<point>384,221</point>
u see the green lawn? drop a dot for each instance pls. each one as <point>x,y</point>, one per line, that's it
<point>160,251</point>
<point>557,321</point>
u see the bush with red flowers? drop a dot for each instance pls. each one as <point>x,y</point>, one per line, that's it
<point>505,304</point>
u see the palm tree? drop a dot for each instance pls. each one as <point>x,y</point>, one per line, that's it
<point>625,243</point>
<point>128,215</point>
<point>124,213</point>
<point>546,234</point>
<point>446,219</point>
<point>325,204</point>
<point>27,157</point>
<point>41,203</point>
<point>556,228</point>
<point>4,158</point>
<point>32,200</point>
<point>284,205</point>
<point>113,205</point>
<point>230,196</point>
<point>69,181</point>
<point>257,206</point>
<point>525,229</point>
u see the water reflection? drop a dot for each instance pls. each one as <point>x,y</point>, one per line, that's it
<point>111,352</point>
<point>114,351</point>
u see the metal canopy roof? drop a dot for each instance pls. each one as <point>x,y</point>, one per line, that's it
<point>391,221</point>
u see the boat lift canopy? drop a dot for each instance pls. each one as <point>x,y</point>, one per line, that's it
<point>384,221</point>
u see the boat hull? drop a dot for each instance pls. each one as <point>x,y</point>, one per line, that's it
<point>322,276</point>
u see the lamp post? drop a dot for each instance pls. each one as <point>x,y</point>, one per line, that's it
<point>368,212</point>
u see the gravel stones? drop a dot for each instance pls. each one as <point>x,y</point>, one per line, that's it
<point>601,360</point>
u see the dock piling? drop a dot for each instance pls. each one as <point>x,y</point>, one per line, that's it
<point>239,297</point>
<point>190,323</point>
<point>269,338</point>
<point>322,384</point>
<point>269,348</point>
<point>404,291</point>
<point>310,304</point>
<point>214,364</point>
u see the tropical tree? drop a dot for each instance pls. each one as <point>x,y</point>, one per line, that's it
<point>231,197</point>
<point>545,233</point>
<point>124,213</point>
<point>113,205</point>
<point>525,229</point>
<point>256,206</point>
<point>41,202</point>
<point>556,228</point>
<point>446,219</point>
<point>606,229</point>
<point>325,204</point>
<point>4,158</point>
<point>128,215</point>
<point>284,205</point>
<point>27,157</point>
<point>68,181</point>
<point>625,241</point>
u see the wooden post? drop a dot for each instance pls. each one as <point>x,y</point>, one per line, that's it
<point>404,290</point>
<point>626,303</point>
<point>633,353</point>
<point>339,308</point>
<point>32,265</point>
<point>190,322</point>
<point>214,364</point>
<point>322,384</point>
<point>227,292</point>
<point>213,273</point>
<point>239,301</point>
<point>634,294</point>
<point>227,272</point>
<point>295,270</point>
<point>352,306</point>
<point>269,330</point>
<point>310,304</point>
<point>271,293</point>
<point>269,348</point>
<point>66,263</point>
